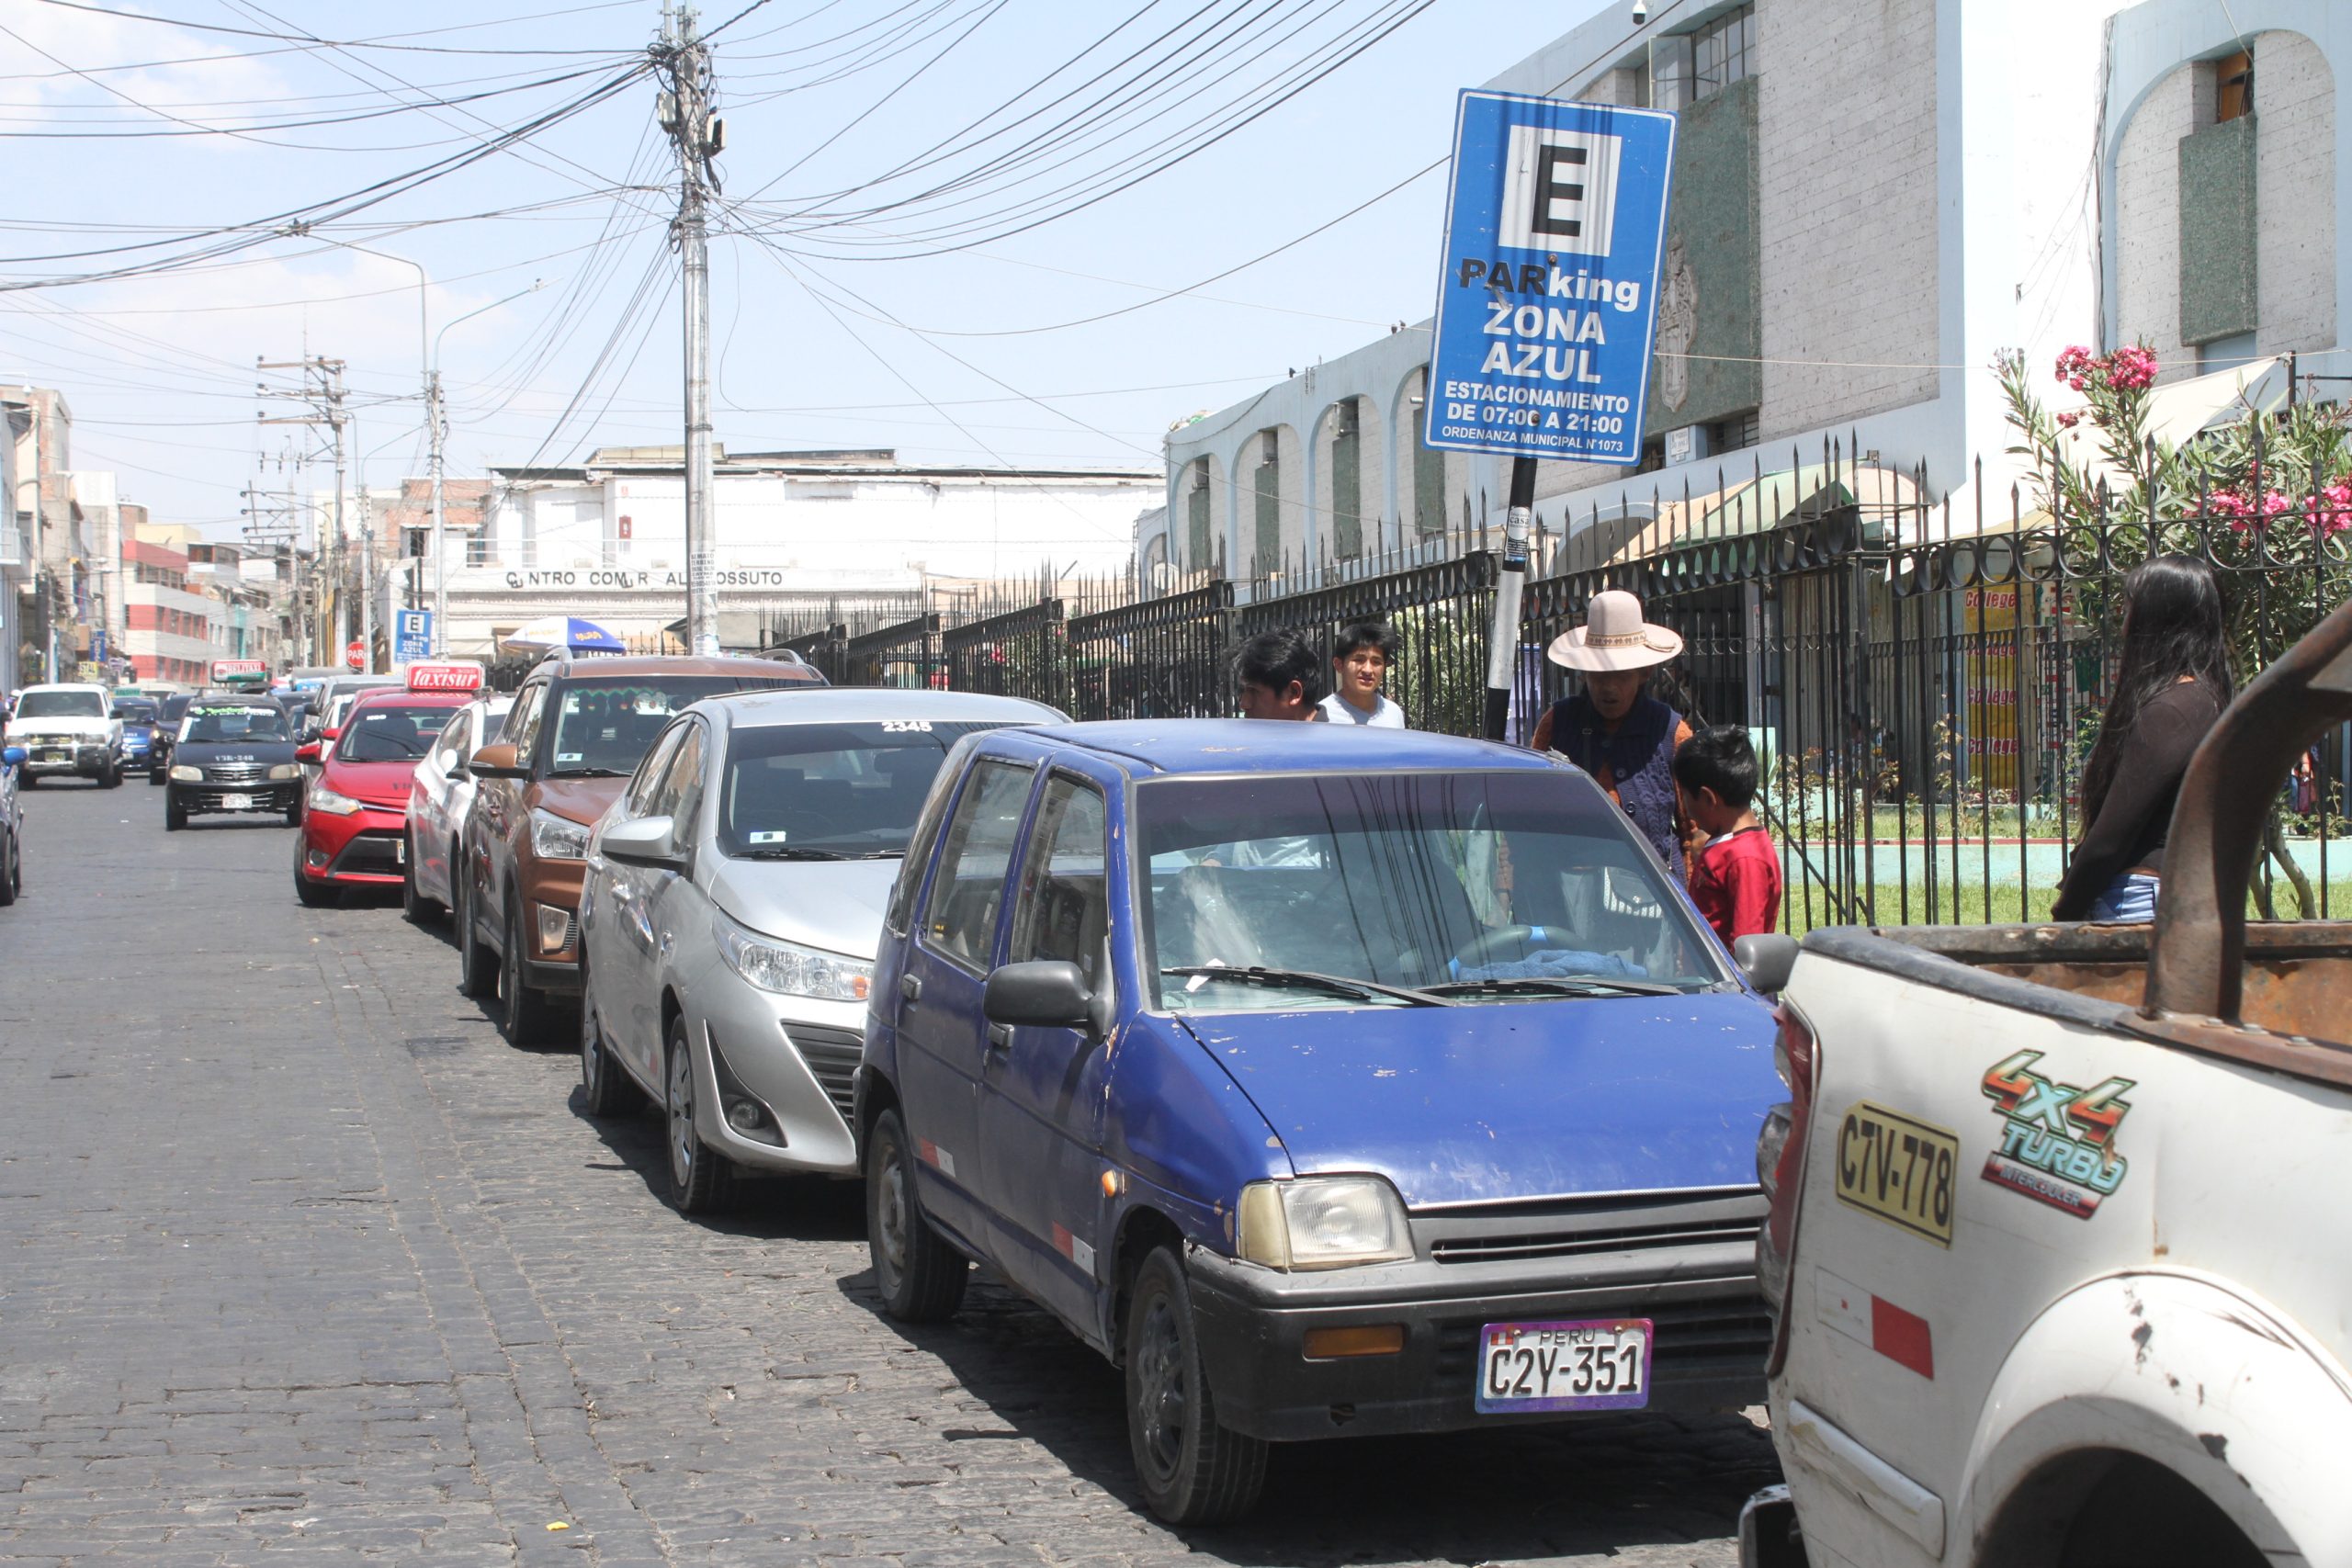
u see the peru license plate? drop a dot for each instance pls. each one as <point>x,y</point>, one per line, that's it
<point>236,803</point>
<point>1594,1364</point>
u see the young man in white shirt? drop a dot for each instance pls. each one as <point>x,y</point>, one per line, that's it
<point>1360,656</point>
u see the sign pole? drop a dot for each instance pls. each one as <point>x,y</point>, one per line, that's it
<point>1502,637</point>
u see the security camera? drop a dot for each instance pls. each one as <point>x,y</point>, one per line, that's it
<point>1640,12</point>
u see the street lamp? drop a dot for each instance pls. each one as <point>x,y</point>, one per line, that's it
<point>434,424</point>
<point>424,365</point>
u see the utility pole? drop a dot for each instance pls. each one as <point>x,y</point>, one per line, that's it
<point>322,391</point>
<point>684,112</point>
<point>440,643</point>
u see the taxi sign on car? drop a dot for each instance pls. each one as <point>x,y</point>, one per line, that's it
<point>243,673</point>
<point>445,675</point>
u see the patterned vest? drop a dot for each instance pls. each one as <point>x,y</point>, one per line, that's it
<point>1640,758</point>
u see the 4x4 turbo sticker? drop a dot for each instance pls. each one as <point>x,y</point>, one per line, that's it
<point>2057,1142</point>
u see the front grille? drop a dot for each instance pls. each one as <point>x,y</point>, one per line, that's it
<point>1608,1238</point>
<point>236,773</point>
<point>833,1054</point>
<point>1728,1337</point>
<point>271,797</point>
<point>1584,1227</point>
<point>372,852</point>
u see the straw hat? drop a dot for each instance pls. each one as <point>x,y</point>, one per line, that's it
<point>1614,636</point>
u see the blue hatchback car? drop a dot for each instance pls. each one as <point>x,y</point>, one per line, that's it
<point>1328,1080</point>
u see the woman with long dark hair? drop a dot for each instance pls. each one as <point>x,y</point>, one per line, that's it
<point>2172,686</point>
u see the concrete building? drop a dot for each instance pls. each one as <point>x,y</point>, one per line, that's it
<point>2222,178</point>
<point>1870,202</point>
<point>606,540</point>
<point>54,631</point>
<point>171,632</point>
<point>18,574</point>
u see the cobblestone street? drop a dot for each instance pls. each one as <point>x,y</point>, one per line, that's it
<point>299,1258</point>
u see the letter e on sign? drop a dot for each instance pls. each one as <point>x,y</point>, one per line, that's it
<point>1559,191</point>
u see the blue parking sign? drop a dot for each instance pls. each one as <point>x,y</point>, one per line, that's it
<point>413,639</point>
<point>1554,228</point>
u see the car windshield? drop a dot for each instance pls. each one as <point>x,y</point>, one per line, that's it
<point>606,727</point>
<point>233,721</point>
<point>174,708</point>
<point>1477,886</point>
<point>814,791</point>
<point>135,713</point>
<point>61,705</point>
<point>391,732</point>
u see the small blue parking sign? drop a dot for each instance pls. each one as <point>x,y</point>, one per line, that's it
<point>413,639</point>
<point>1554,226</point>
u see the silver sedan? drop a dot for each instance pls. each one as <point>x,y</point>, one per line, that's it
<point>439,795</point>
<point>730,913</point>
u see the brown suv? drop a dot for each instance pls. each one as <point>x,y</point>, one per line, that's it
<point>579,727</point>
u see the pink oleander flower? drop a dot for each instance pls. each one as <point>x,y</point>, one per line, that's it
<point>2331,512</point>
<point>2066,421</point>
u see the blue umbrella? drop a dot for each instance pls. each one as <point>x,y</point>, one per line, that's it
<point>568,632</point>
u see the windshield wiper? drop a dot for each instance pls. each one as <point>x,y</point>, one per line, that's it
<point>782,852</point>
<point>1554,986</point>
<point>1336,985</point>
<point>586,773</point>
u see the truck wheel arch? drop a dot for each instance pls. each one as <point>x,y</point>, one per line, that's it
<point>2208,1389</point>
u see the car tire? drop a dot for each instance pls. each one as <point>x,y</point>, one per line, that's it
<point>477,965</point>
<point>158,776</point>
<point>175,812</point>
<point>27,781</point>
<point>110,776</point>
<point>313,895</point>
<point>415,905</point>
<point>920,1277</point>
<point>294,814</point>
<point>13,882</point>
<point>1193,1470</point>
<point>697,1170</point>
<point>609,1090</point>
<point>529,1012</point>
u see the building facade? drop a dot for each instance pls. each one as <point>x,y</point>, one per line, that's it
<point>2221,175</point>
<point>606,540</point>
<point>172,624</point>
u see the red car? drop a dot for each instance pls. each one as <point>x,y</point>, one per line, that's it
<point>355,816</point>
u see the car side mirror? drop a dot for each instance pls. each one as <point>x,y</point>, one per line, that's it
<point>642,841</point>
<point>12,755</point>
<point>333,732</point>
<point>496,761</point>
<point>307,752</point>
<point>1766,961</point>
<point>1047,993</point>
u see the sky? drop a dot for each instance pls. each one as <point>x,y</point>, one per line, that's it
<point>956,228</point>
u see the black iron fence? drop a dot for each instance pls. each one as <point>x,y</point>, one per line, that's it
<point>1923,688</point>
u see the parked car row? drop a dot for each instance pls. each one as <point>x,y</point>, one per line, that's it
<point>1327,1081</point>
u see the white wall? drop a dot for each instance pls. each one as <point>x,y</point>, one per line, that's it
<point>2295,159</point>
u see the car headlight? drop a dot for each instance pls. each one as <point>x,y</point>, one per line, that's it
<point>183,774</point>
<point>1322,1222</point>
<point>284,771</point>
<point>333,802</point>
<point>557,838</point>
<point>790,969</point>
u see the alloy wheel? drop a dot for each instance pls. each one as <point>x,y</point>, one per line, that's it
<point>1163,1407</point>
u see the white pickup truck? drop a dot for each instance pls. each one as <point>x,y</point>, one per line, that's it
<point>2060,1246</point>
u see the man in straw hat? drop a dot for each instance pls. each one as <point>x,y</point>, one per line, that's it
<point>1613,729</point>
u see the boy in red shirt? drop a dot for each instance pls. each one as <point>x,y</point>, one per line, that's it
<point>1735,875</point>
